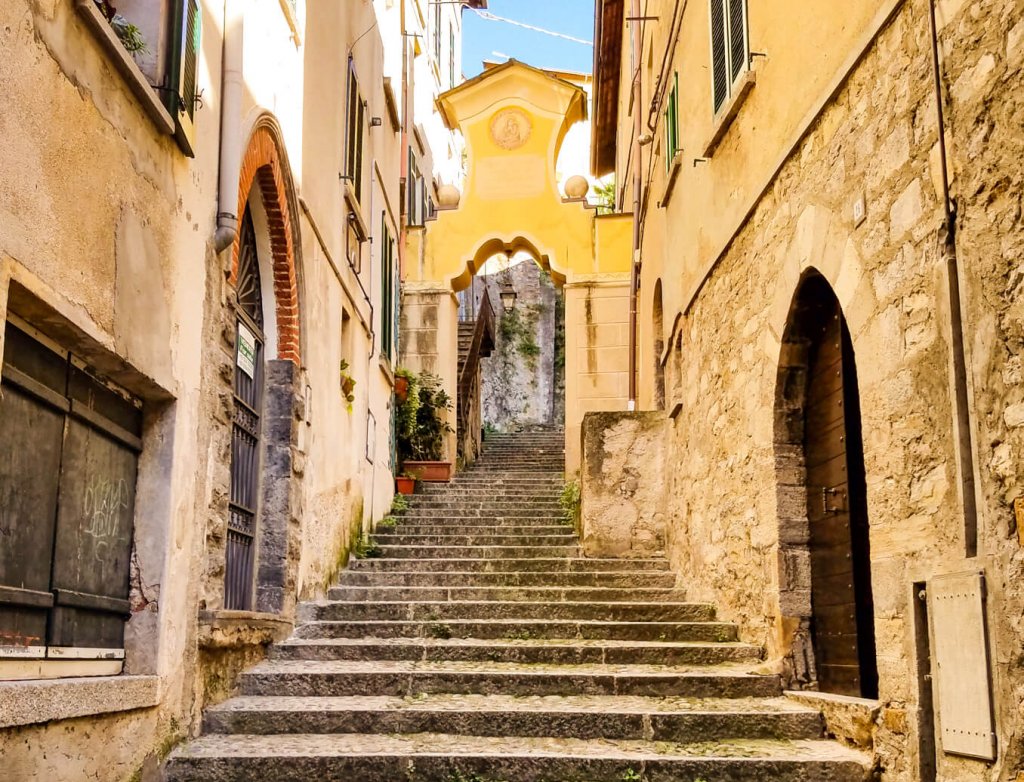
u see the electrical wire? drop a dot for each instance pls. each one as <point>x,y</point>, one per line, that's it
<point>492,18</point>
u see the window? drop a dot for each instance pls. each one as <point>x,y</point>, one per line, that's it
<point>451,56</point>
<point>672,123</point>
<point>437,35</point>
<point>155,46</point>
<point>388,291</point>
<point>355,134</point>
<point>69,446</point>
<point>416,193</point>
<point>730,50</point>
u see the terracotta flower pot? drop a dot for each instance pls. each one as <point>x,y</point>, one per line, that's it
<point>405,485</point>
<point>402,388</point>
<point>347,385</point>
<point>432,472</point>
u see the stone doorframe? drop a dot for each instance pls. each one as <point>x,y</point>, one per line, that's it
<point>821,246</point>
<point>265,171</point>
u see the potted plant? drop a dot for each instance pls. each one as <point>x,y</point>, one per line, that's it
<point>348,385</point>
<point>421,428</point>
<point>406,484</point>
<point>403,382</point>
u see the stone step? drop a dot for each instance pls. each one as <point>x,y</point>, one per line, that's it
<point>508,512</point>
<point>441,527</point>
<point>580,717</point>
<point>544,594</point>
<point>479,503</point>
<point>525,629</point>
<point>547,565</point>
<point>493,609</point>
<point>478,552</point>
<point>404,538</point>
<point>314,678</point>
<point>605,579</point>
<point>533,651</point>
<point>427,757</point>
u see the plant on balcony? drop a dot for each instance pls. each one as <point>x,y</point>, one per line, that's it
<point>422,424</point>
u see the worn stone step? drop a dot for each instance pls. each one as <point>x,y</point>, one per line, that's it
<point>493,609</point>
<point>478,552</point>
<point>494,492</point>
<point>403,538</point>
<point>555,716</point>
<point>549,565</point>
<point>334,678</point>
<point>534,651</point>
<point>610,578</point>
<point>465,503</point>
<point>525,629</point>
<point>542,594</point>
<point>459,528</point>
<point>508,512</point>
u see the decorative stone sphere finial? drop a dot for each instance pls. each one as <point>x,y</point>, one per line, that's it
<point>577,187</point>
<point>448,195</point>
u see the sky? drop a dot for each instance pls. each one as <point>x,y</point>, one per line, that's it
<point>489,40</point>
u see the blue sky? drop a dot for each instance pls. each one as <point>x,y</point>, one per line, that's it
<point>481,38</point>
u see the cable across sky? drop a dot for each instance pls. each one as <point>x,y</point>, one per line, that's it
<point>493,18</point>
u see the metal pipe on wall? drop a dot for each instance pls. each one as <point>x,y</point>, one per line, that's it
<point>634,275</point>
<point>965,440</point>
<point>230,127</point>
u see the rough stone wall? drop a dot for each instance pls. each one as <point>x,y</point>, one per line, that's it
<point>622,484</point>
<point>519,377</point>
<point>878,136</point>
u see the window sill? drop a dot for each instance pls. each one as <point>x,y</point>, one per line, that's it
<point>233,629</point>
<point>728,112</point>
<point>386,369</point>
<point>673,174</point>
<point>126,66</point>
<point>30,702</point>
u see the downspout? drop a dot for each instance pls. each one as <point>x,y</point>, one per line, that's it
<point>230,127</point>
<point>634,275</point>
<point>965,444</point>
<point>403,167</point>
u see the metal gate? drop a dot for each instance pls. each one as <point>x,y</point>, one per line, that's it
<point>69,445</point>
<point>246,453</point>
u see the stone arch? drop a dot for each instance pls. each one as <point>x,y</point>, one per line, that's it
<point>813,305</point>
<point>510,247</point>
<point>658,347</point>
<point>265,165</point>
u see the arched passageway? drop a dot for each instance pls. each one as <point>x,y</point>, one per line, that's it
<point>822,496</point>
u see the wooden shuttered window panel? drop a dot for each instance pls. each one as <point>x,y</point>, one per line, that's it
<point>354,134</point>
<point>730,53</point>
<point>672,123</point>
<point>719,53</point>
<point>387,286</point>
<point>180,92</point>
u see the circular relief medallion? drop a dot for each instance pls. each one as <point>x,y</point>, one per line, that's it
<point>510,128</point>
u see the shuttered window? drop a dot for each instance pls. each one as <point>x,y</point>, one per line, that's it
<point>388,293</point>
<point>730,51</point>
<point>672,123</point>
<point>355,135</point>
<point>69,445</point>
<point>179,94</point>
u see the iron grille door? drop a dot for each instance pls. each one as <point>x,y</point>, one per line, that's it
<point>246,453</point>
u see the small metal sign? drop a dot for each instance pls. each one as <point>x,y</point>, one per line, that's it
<point>246,354</point>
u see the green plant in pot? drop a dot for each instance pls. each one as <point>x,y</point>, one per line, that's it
<point>422,424</point>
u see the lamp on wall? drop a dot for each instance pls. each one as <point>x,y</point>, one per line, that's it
<point>508,292</point>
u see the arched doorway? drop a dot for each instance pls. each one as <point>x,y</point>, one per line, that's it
<point>818,432</point>
<point>658,348</point>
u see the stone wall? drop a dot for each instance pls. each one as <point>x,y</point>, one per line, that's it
<point>876,137</point>
<point>520,378</point>
<point>622,484</point>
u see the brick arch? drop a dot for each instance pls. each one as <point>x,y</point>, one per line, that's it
<point>265,165</point>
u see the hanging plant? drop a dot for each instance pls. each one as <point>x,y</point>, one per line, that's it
<point>348,385</point>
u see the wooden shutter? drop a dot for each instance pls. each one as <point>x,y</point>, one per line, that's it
<point>180,93</point>
<point>719,54</point>
<point>737,38</point>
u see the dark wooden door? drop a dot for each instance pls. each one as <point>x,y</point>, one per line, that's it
<point>69,446</point>
<point>843,621</point>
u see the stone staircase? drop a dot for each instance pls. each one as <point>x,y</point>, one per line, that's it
<point>481,647</point>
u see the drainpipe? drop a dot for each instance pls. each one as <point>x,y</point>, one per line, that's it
<point>965,445</point>
<point>230,130</point>
<point>634,275</point>
<point>403,166</point>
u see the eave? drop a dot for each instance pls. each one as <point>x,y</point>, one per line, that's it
<point>608,21</point>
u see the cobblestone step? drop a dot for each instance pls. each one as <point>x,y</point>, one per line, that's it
<point>560,716</point>
<point>404,678</point>
<point>335,611</point>
<point>545,651</point>
<point>429,757</point>
<point>524,629</point>
<point>609,578</point>
<point>544,594</point>
<point>512,564</point>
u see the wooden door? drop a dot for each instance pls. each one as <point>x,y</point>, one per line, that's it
<point>843,621</point>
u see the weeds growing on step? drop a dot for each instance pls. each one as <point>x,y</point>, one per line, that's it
<point>570,502</point>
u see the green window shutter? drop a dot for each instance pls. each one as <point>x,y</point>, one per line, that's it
<point>719,54</point>
<point>179,94</point>
<point>672,124</point>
